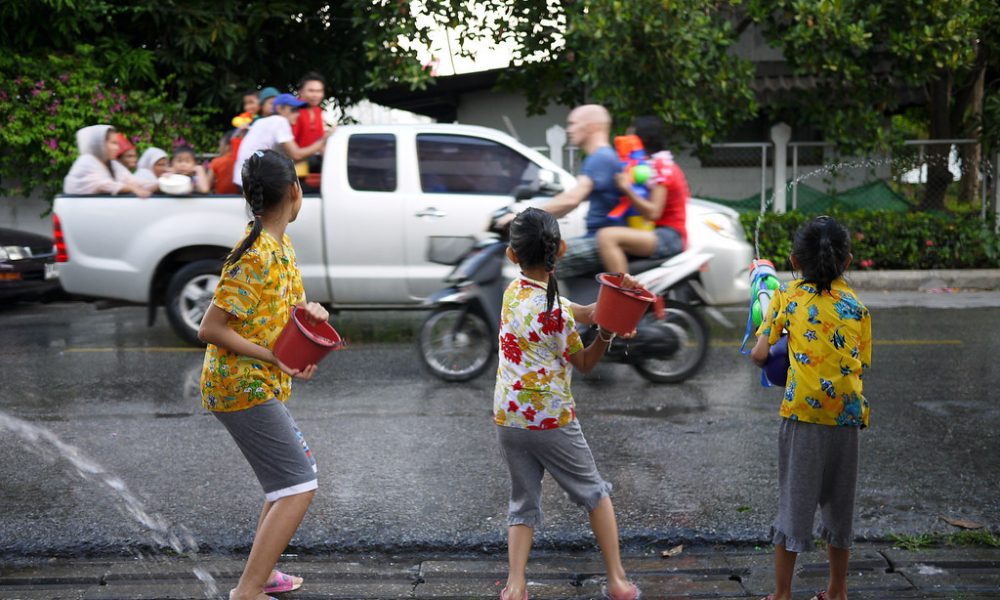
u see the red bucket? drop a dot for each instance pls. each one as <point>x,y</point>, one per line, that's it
<point>302,343</point>
<point>620,309</point>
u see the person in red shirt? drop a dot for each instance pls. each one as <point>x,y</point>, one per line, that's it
<point>309,128</point>
<point>222,165</point>
<point>666,206</point>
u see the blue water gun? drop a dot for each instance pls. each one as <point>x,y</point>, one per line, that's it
<point>763,282</point>
<point>635,164</point>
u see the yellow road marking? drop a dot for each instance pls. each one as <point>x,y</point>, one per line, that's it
<point>136,349</point>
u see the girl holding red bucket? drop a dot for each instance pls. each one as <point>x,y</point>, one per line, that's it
<point>533,408</point>
<point>829,344</point>
<point>244,384</point>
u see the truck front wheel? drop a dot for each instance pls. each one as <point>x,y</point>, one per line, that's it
<point>189,295</point>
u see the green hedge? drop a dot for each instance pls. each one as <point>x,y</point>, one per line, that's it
<point>890,240</point>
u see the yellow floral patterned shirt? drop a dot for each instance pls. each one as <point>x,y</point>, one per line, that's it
<point>259,292</point>
<point>829,350</point>
<point>533,377</point>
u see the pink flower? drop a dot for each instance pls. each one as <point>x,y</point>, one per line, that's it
<point>53,162</point>
<point>867,263</point>
<point>64,77</point>
<point>52,143</point>
<point>40,84</point>
<point>100,96</point>
<point>35,92</point>
<point>52,126</point>
<point>929,243</point>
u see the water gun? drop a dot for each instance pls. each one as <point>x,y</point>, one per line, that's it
<point>763,282</point>
<point>242,120</point>
<point>635,164</point>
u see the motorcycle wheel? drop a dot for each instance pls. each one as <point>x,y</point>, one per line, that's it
<point>456,344</point>
<point>684,322</point>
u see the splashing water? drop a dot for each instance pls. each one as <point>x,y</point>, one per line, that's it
<point>48,445</point>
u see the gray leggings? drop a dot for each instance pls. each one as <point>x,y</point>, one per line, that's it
<point>564,453</point>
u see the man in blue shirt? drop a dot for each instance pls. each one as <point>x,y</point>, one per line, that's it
<point>589,128</point>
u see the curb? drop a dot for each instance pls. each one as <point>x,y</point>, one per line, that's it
<point>919,280</point>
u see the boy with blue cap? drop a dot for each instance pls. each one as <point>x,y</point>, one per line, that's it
<point>275,133</point>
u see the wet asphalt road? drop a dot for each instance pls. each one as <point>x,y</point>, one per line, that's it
<point>409,462</point>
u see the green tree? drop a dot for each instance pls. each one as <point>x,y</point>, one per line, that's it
<point>864,51</point>
<point>664,57</point>
<point>214,50</point>
<point>45,100</point>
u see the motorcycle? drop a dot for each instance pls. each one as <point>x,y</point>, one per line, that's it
<point>458,340</point>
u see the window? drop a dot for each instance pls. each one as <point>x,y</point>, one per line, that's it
<point>456,164</point>
<point>371,162</point>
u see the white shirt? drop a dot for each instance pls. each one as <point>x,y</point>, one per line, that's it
<point>268,133</point>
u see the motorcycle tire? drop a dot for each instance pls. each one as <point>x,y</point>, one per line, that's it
<point>686,323</point>
<point>456,343</point>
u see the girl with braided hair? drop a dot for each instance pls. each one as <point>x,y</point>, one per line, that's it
<point>244,384</point>
<point>533,408</point>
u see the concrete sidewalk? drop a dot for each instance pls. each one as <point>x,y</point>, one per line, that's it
<point>877,572</point>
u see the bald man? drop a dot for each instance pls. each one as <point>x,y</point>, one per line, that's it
<point>589,128</point>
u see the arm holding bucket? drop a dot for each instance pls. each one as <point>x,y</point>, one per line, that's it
<point>315,311</point>
<point>215,330</point>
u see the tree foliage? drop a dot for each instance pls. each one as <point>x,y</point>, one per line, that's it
<point>44,101</point>
<point>215,50</point>
<point>669,58</point>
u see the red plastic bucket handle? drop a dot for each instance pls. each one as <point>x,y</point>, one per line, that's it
<point>639,292</point>
<point>312,336</point>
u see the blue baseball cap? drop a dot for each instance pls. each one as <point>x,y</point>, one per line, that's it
<point>287,100</point>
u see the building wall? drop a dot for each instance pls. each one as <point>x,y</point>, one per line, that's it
<point>25,214</point>
<point>488,109</point>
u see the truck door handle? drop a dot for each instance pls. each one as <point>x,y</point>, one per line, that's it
<point>432,212</point>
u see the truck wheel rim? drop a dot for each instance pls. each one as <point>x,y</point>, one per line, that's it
<point>194,299</point>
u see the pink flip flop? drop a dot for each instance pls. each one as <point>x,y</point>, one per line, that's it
<point>503,595</point>
<point>281,582</point>
<point>633,593</point>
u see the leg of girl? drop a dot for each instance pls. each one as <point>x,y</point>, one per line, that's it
<point>277,527</point>
<point>615,243</point>
<point>836,589</point>
<point>784,569</point>
<point>278,580</point>
<point>605,526</point>
<point>519,539</point>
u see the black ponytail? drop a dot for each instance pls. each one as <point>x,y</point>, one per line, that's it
<point>822,248</point>
<point>535,238</point>
<point>266,178</point>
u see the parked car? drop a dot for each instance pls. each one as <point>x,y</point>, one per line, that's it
<point>27,266</point>
<point>387,194</point>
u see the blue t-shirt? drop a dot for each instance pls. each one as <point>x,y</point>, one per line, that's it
<point>601,167</point>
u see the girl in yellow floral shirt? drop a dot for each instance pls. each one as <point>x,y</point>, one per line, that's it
<point>829,346</point>
<point>244,384</point>
<point>533,407</point>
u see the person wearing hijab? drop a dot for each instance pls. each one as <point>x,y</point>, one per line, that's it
<point>95,171</point>
<point>152,165</point>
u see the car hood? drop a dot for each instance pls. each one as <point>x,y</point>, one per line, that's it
<point>13,237</point>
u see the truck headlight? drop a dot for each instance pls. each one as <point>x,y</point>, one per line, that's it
<point>724,225</point>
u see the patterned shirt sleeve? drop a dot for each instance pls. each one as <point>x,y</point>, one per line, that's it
<point>865,342</point>
<point>773,322</point>
<point>240,287</point>
<point>573,342</point>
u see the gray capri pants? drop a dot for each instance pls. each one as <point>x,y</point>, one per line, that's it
<point>817,466</point>
<point>564,453</point>
<point>270,440</point>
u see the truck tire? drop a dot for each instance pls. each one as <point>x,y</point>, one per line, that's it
<point>189,295</point>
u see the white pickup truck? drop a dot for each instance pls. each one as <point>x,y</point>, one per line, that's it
<point>362,242</point>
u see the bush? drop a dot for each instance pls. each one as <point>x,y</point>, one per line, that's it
<point>43,102</point>
<point>890,240</point>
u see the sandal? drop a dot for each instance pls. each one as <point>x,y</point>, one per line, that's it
<point>632,594</point>
<point>820,595</point>
<point>503,595</point>
<point>281,582</point>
